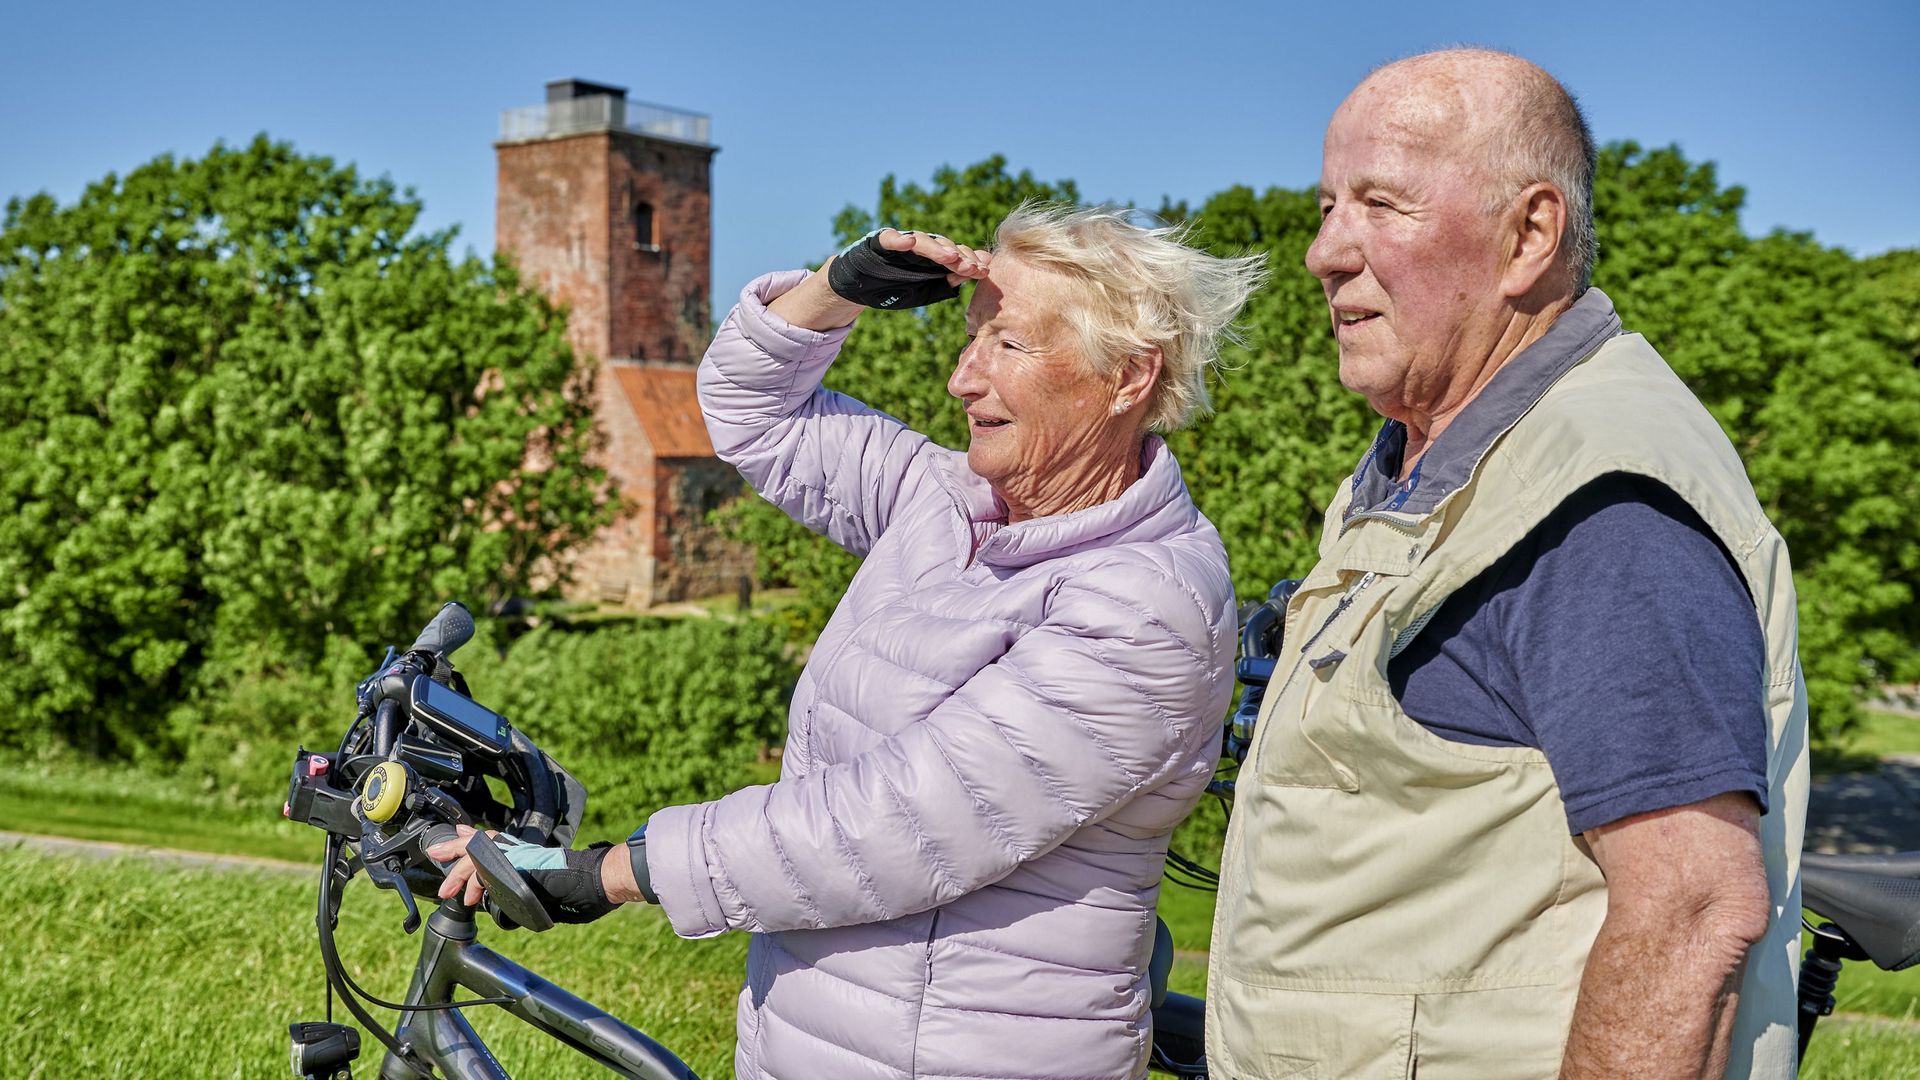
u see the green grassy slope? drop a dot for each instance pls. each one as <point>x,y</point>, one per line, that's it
<point>125,968</point>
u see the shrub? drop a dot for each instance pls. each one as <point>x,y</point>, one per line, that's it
<point>645,714</point>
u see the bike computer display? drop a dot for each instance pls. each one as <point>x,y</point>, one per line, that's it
<point>460,718</point>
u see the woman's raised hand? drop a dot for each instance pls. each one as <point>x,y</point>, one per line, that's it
<point>963,262</point>
<point>881,271</point>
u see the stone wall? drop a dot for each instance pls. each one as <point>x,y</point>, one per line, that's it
<point>691,557</point>
<point>660,285</point>
<point>550,211</point>
<point>616,566</point>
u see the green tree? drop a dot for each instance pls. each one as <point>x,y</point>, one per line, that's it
<point>1284,433</point>
<point>1806,357</point>
<point>244,409</point>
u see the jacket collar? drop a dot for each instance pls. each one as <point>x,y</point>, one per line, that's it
<point>1158,492</point>
<point>1451,460</point>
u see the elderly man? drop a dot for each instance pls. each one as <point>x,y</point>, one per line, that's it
<point>1527,789</point>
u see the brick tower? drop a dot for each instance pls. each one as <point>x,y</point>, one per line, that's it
<point>607,206</point>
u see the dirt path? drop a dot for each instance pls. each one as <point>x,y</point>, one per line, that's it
<point>107,849</point>
<point>1877,810</point>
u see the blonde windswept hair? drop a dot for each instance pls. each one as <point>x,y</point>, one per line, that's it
<point>1139,287</point>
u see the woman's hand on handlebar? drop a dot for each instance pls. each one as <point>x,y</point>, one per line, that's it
<point>461,876</point>
<point>572,885</point>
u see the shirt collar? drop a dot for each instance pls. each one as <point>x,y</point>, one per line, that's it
<point>1450,461</point>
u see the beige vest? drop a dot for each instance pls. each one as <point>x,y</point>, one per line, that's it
<point>1392,901</point>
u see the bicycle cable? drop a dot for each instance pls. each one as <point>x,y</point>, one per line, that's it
<point>351,993</point>
<point>331,952</point>
<point>1184,871</point>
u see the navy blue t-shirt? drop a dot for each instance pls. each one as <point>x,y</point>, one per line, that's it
<point>1619,639</point>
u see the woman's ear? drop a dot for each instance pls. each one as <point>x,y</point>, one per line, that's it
<point>1138,377</point>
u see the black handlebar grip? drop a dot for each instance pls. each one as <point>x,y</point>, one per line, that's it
<point>450,629</point>
<point>437,834</point>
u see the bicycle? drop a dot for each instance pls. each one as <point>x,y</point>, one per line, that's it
<point>414,763</point>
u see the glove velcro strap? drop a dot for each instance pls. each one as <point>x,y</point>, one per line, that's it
<point>566,882</point>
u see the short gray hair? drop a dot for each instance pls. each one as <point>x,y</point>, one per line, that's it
<point>1549,141</point>
<point>1140,287</point>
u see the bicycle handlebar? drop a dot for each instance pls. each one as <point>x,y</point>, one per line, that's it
<point>451,628</point>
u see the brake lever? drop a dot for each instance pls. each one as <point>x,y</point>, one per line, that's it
<point>388,878</point>
<point>386,857</point>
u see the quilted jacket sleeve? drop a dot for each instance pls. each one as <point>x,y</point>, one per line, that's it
<point>1119,692</point>
<point>832,463</point>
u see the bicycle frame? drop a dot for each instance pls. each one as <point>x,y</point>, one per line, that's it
<point>451,958</point>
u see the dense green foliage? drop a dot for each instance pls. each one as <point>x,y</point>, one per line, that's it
<point>646,715</point>
<point>246,410</point>
<point>1805,355</point>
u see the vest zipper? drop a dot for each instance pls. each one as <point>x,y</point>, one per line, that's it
<point>1346,601</point>
<point>1408,527</point>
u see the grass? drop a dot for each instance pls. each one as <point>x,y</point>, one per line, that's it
<point>1879,733</point>
<point>125,968</point>
<point>1850,1048</point>
<point>1867,990</point>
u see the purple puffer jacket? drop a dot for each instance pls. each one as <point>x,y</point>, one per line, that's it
<point>955,875</point>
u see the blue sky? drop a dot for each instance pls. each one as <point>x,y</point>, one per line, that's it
<point>1815,109</point>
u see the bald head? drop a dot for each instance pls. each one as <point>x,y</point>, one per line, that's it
<point>1502,116</point>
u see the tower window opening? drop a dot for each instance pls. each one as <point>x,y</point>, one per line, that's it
<point>646,228</point>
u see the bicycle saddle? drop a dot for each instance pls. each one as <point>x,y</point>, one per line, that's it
<point>1875,899</point>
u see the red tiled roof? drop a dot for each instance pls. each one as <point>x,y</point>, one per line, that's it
<point>663,399</point>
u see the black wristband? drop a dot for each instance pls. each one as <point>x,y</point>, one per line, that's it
<point>873,276</point>
<point>637,853</point>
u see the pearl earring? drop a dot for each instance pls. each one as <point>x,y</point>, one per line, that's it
<point>1121,406</point>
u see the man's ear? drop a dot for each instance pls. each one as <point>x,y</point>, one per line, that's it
<point>1138,378</point>
<point>1539,220</point>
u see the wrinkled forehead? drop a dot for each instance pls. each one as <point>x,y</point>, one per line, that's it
<point>1441,109</point>
<point>1017,293</point>
<point>1431,112</point>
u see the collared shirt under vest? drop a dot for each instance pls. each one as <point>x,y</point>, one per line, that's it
<point>1392,901</point>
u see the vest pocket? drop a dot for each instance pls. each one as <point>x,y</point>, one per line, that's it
<point>1269,1033</point>
<point>1512,1034</point>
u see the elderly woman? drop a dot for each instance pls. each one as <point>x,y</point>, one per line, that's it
<point>1020,695</point>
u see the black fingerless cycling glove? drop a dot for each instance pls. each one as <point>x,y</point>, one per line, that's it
<point>566,882</point>
<point>872,276</point>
